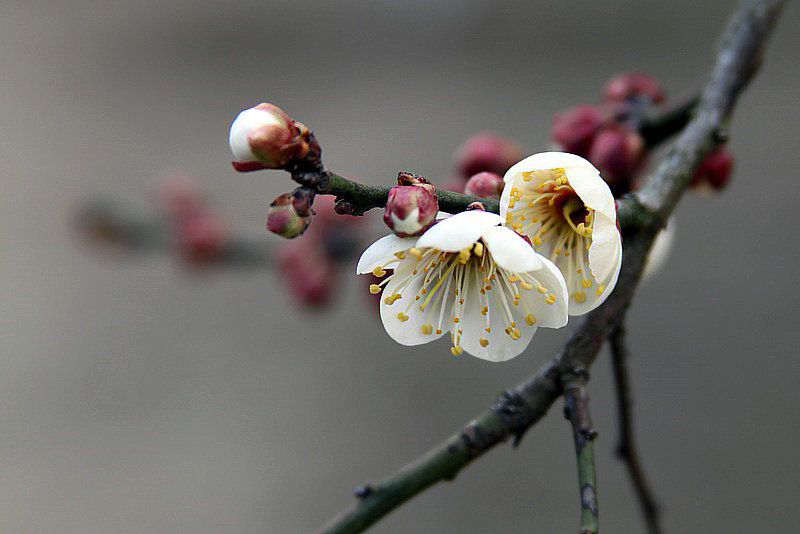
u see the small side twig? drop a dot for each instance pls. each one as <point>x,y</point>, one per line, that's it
<point>576,409</point>
<point>626,447</point>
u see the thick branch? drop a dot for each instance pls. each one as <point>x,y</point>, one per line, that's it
<point>576,409</point>
<point>626,447</point>
<point>521,407</point>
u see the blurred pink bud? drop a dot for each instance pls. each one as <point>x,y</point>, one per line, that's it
<point>632,85</point>
<point>618,154</point>
<point>410,210</point>
<point>179,196</point>
<point>485,185</point>
<point>716,171</point>
<point>574,129</point>
<point>308,270</point>
<point>454,184</point>
<point>290,214</point>
<point>486,152</point>
<point>201,237</point>
<point>264,137</point>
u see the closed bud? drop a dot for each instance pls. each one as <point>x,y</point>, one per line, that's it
<point>308,270</point>
<point>179,196</point>
<point>485,185</point>
<point>618,154</point>
<point>632,86</point>
<point>264,137</point>
<point>201,237</point>
<point>410,210</point>
<point>290,214</point>
<point>715,172</point>
<point>574,129</point>
<point>486,152</point>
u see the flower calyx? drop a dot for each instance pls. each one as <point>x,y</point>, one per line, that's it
<point>265,137</point>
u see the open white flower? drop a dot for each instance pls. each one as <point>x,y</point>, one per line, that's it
<point>562,204</point>
<point>472,277</point>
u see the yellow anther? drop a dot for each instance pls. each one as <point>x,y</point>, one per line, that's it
<point>464,255</point>
<point>378,271</point>
<point>551,298</point>
<point>514,279</point>
<point>579,296</point>
<point>488,330</point>
<point>579,271</point>
<point>489,288</point>
<point>558,251</point>
<point>541,289</point>
<point>527,176</point>
<point>416,298</point>
<point>456,351</point>
<point>415,252</point>
<point>586,284</point>
<point>423,291</point>
<point>535,219</point>
<point>403,318</point>
<point>511,204</point>
<point>530,319</point>
<point>516,302</point>
<point>374,289</point>
<point>494,277</point>
<point>461,301</point>
<point>422,308</point>
<point>600,290</point>
<point>455,319</point>
<point>478,249</point>
<point>567,253</point>
<point>515,334</point>
<point>415,271</point>
<point>513,324</point>
<point>400,255</point>
<point>485,310</point>
<point>537,240</point>
<point>438,332</point>
<point>525,285</point>
<point>483,291</point>
<point>427,329</point>
<point>484,343</point>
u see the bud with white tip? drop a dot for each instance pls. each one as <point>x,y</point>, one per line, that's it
<point>264,137</point>
<point>410,210</point>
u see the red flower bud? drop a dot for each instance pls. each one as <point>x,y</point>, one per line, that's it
<point>715,171</point>
<point>486,152</point>
<point>618,154</point>
<point>309,272</point>
<point>632,85</point>
<point>574,129</point>
<point>290,214</point>
<point>264,137</point>
<point>485,185</point>
<point>201,237</point>
<point>410,210</point>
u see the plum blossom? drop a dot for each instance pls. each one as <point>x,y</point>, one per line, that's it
<point>471,277</point>
<point>560,202</point>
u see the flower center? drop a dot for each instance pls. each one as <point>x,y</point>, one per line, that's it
<point>463,283</point>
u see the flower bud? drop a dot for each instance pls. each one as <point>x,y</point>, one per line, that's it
<point>485,185</point>
<point>486,152</point>
<point>574,129</point>
<point>290,214</point>
<point>264,137</point>
<point>715,171</point>
<point>309,272</point>
<point>201,237</point>
<point>179,196</point>
<point>410,210</point>
<point>633,85</point>
<point>618,154</point>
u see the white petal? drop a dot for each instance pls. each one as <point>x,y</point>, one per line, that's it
<point>547,160</point>
<point>604,252</point>
<point>592,190</point>
<point>408,332</point>
<point>548,315</point>
<point>660,250</point>
<point>381,251</point>
<point>248,121</point>
<point>501,347</point>
<point>510,251</point>
<point>459,231</point>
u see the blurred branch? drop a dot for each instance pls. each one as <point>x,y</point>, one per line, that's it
<point>626,447</point>
<point>518,409</point>
<point>576,409</point>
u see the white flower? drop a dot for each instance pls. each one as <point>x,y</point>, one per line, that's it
<point>562,204</point>
<point>472,277</point>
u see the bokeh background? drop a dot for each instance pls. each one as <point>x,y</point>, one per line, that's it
<point>141,396</point>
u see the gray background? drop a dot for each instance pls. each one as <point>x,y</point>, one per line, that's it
<point>141,397</point>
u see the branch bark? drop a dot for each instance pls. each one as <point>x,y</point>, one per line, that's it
<point>626,447</point>
<point>518,409</point>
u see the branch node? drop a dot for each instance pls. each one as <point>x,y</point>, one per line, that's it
<point>362,492</point>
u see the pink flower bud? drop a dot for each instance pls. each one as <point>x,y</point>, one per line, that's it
<point>632,85</point>
<point>179,196</point>
<point>309,272</point>
<point>201,237</point>
<point>485,185</point>
<point>289,215</point>
<point>410,210</point>
<point>486,152</point>
<point>574,129</point>
<point>618,154</point>
<point>715,171</point>
<point>264,137</point>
